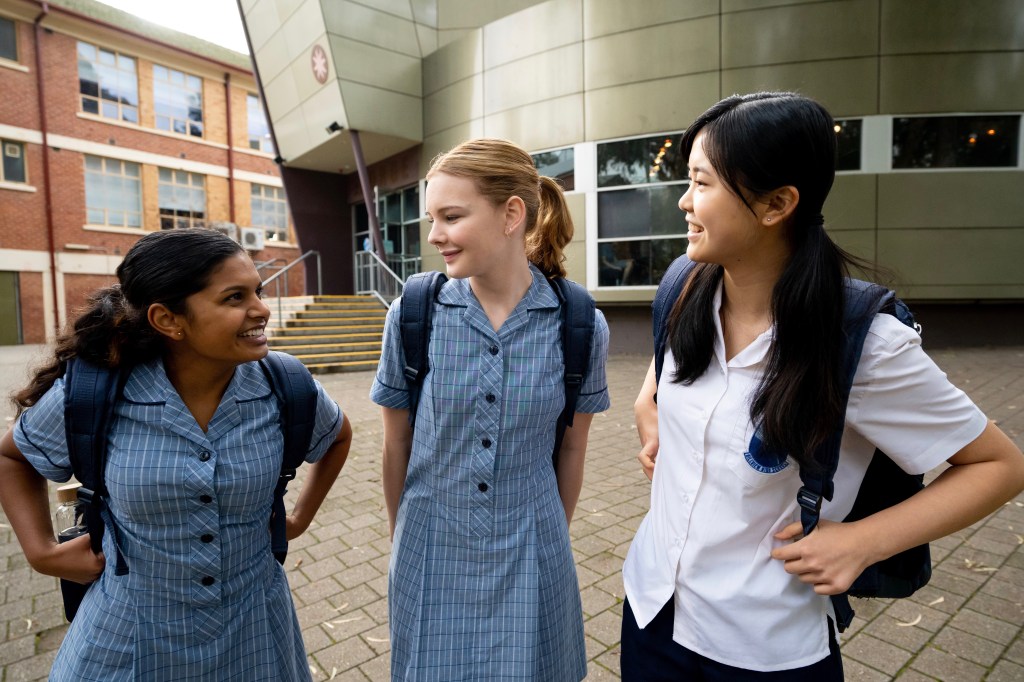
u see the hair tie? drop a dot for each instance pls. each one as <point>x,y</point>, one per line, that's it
<point>817,220</point>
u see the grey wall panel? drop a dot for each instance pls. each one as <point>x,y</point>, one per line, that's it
<point>548,75</point>
<point>747,5</point>
<point>446,139</point>
<point>382,111</point>
<point>649,107</point>
<point>675,49</point>
<point>455,104</point>
<point>847,87</point>
<point>380,68</point>
<point>453,62</point>
<point>956,83</point>
<point>802,32</point>
<point>955,263</point>
<point>359,22</point>
<point>475,13</point>
<point>603,17</point>
<point>536,29</point>
<point>553,123</point>
<point>851,203</point>
<point>951,200</point>
<point>917,26</point>
<point>860,243</point>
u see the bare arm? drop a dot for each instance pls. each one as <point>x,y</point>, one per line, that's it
<point>395,457</point>
<point>570,462</point>
<point>646,413</point>
<point>25,500</point>
<point>319,479</point>
<point>983,475</point>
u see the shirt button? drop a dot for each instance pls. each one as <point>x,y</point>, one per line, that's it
<point>482,487</point>
<point>490,398</point>
<point>204,456</point>
<point>206,537</point>
<point>493,350</point>
<point>208,580</point>
<point>486,442</point>
<point>205,499</point>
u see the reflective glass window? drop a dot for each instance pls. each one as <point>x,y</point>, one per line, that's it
<point>177,101</point>
<point>8,40</point>
<point>558,164</point>
<point>13,169</point>
<point>259,131</point>
<point>270,211</point>
<point>640,161</point>
<point>848,132</point>
<point>107,83</point>
<point>181,197</point>
<point>113,192</point>
<point>955,141</point>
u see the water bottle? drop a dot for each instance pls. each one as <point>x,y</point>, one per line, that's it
<point>70,520</point>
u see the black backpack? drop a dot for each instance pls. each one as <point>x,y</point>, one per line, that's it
<point>577,311</point>
<point>885,483</point>
<point>90,393</point>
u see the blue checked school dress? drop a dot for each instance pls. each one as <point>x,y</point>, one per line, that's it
<point>204,599</point>
<point>482,583</point>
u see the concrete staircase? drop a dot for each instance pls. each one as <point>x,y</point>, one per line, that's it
<point>328,333</point>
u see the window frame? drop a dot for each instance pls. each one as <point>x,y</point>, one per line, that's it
<point>177,89</point>
<point>191,219</point>
<point>270,231</point>
<point>16,59</point>
<point>98,98</point>
<point>121,175</point>
<point>3,161</point>
<point>248,125</point>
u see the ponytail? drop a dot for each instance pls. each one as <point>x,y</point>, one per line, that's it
<point>552,231</point>
<point>108,333</point>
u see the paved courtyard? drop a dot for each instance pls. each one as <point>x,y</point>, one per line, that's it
<point>966,625</point>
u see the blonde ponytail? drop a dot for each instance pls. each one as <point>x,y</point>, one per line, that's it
<point>552,231</point>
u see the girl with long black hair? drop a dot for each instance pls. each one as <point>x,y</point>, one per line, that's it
<point>720,583</point>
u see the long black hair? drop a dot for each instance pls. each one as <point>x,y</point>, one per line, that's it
<point>163,267</point>
<point>758,143</point>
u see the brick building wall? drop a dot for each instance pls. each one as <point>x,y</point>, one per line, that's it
<point>74,134</point>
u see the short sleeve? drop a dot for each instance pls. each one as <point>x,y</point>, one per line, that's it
<point>904,404</point>
<point>389,389</point>
<point>39,435</point>
<point>594,392</point>
<point>328,424</point>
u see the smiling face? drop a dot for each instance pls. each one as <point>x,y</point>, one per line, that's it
<point>721,228</point>
<point>466,227</point>
<point>224,322</point>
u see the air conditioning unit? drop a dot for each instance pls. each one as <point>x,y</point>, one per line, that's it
<point>228,228</point>
<point>252,238</point>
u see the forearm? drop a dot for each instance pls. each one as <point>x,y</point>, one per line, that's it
<point>968,491</point>
<point>25,500</point>
<point>321,476</point>
<point>395,459</point>
<point>570,463</point>
<point>645,410</point>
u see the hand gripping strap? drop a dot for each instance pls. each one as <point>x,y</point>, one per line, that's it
<point>417,311</point>
<point>297,400</point>
<point>577,313</point>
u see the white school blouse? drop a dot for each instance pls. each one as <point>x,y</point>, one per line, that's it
<point>707,539</point>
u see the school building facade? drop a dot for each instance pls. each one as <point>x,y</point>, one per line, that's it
<point>110,128</point>
<point>926,96</point>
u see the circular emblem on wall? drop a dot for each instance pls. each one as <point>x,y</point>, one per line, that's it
<point>318,62</point>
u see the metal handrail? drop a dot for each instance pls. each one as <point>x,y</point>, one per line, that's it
<point>375,277</point>
<point>277,284</point>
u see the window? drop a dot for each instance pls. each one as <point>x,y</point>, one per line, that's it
<point>955,141</point>
<point>399,216</point>
<point>113,192</point>
<point>182,199</point>
<point>259,132</point>
<point>107,83</point>
<point>270,211</point>
<point>848,144</point>
<point>13,169</point>
<point>8,40</point>
<point>640,228</point>
<point>557,164</point>
<point>177,101</point>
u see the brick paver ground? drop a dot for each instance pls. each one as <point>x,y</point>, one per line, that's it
<point>966,625</point>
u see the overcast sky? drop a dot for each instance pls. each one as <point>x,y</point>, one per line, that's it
<point>213,20</point>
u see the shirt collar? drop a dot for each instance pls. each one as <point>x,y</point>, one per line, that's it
<point>540,295</point>
<point>751,355</point>
<point>148,383</point>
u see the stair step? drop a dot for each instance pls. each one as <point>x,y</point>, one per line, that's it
<point>378,313</point>
<point>302,340</point>
<point>330,368</point>
<point>335,322</point>
<point>329,346</point>
<point>277,332</point>
<point>322,358</point>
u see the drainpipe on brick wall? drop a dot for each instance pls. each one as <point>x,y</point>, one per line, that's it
<point>231,154</point>
<point>46,164</point>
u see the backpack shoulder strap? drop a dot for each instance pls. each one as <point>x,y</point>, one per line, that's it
<point>417,311</point>
<point>577,312</point>
<point>669,289</point>
<point>90,393</point>
<point>296,395</point>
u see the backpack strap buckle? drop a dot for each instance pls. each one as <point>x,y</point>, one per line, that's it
<point>573,379</point>
<point>86,495</point>
<point>287,474</point>
<point>809,500</point>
